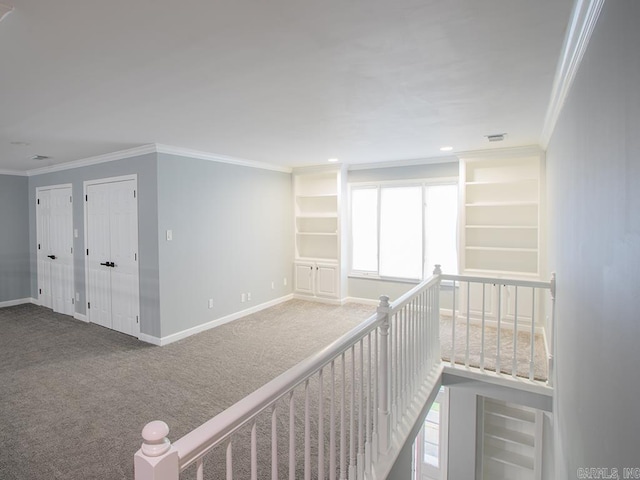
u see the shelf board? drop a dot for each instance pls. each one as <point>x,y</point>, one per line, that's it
<point>317,215</point>
<point>505,182</point>
<point>331,260</point>
<point>502,249</point>
<point>318,234</point>
<point>319,195</point>
<point>503,227</point>
<point>503,204</point>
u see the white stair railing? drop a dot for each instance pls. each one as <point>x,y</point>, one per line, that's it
<point>359,398</point>
<point>513,321</point>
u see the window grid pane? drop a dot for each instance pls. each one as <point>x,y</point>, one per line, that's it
<point>364,229</point>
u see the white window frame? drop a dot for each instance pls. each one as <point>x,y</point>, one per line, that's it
<point>421,470</point>
<point>379,185</point>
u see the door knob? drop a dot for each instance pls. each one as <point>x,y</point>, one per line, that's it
<point>52,257</point>
<point>106,264</point>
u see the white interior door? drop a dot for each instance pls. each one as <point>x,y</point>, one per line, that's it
<point>43,219</point>
<point>98,243</point>
<point>54,231</point>
<point>61,235</point>
<point>112,255</point>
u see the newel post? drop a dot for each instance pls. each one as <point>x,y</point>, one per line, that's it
<point>437,270</point>
<point>384,418</point>
<point>157,459</point>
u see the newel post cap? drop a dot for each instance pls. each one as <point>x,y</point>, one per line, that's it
<point>437,270</point>
<point>155,438</point>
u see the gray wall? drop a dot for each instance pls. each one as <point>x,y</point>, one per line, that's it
<point>593,173</point>
<point>14,238</point>
<point>145,167</point>
<point>232,234</point>
<point>463,414</point>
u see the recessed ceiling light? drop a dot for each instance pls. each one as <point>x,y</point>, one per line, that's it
<point>333,160</point>
<point>40,157</point>
<point>446,149</point>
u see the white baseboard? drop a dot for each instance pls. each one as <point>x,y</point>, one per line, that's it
<point>19,301</point>
<point>174,337</point>
<point>80,316</point>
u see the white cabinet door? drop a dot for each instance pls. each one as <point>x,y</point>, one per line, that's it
<point>304,273</point>
<point>326,280</point>
<point>112,255</point>
<point>54,231</point>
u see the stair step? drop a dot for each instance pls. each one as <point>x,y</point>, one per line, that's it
<point>494,470</point>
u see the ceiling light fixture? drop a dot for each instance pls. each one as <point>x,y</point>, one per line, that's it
<point>20,144</point>
<point>333,160</point>
<point>40,157</point>
<point>496,137</point>
<point>5,10</point>
<point>446,149</point>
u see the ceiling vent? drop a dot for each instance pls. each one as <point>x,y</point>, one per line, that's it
<point>496,137</point>
<point>5,10</point>
<point>40,157</point>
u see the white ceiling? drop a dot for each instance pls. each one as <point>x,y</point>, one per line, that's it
<point>287,82</point>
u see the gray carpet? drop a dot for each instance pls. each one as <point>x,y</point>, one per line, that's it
<point>74,396</point>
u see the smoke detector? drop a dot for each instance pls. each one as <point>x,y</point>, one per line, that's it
<point>40,157</point>
<point>496,137</point>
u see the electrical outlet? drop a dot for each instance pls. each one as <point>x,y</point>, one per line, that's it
<point>211,303</point>
<point>273,285</point>
<point>243,297</point>
<point>249,297</point>
<point>284,281</point>
<point>169,235</point>
<point>77,296</point>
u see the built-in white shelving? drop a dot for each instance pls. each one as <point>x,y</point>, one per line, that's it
<point>501,214</point>
<point>318,193</point>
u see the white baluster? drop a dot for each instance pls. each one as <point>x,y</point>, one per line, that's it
<point>332,424</point>
<point>307,433</point>
<point>483,327</point>
<point>229,460</point>
<point>551,338</point>
<point>274,444</point>
<point>321,424</point>
<point>533,332</point>
<point>466,360</point>
<point>254,452</point>
<point>343,432</point>
<point>156,459</point>
<point>499,332</point>
<point>453,327</point>
<point>200,469</point>
<point>360,459</point>
<point>292,438</point>
<point>367,443</point>
<point>375,395</point>
<point>352,417</point>
<point>514,368</point>
<point>384,438</point>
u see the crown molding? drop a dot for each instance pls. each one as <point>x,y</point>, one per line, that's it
<point>146,149</point>
<point>107,157</point>
<point>522,151</point>
<point>186,152</point>
<point>404,163</point>
<point>583,19</point>
<point>14,173</point>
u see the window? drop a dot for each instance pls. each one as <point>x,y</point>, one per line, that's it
<point>402,231</point>
<point>430,456</point>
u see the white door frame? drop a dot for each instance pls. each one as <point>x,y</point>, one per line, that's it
<point>38,233</point>
<point>99,181</point>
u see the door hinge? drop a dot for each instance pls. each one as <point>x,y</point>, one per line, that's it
<point>87,251</point>
<point>71,249</point>
<point>89,305</point>
<point>70,199</point>
<point>135,257</point>
<point>40,291</point>
<point>38,201</point>
<point>134,194</point>
<point>86,198</point>
<point>73,301</point>
<point>137,319</point>
<point>38,246</point>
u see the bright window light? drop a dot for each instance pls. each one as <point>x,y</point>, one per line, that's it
<point>364,228</point>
